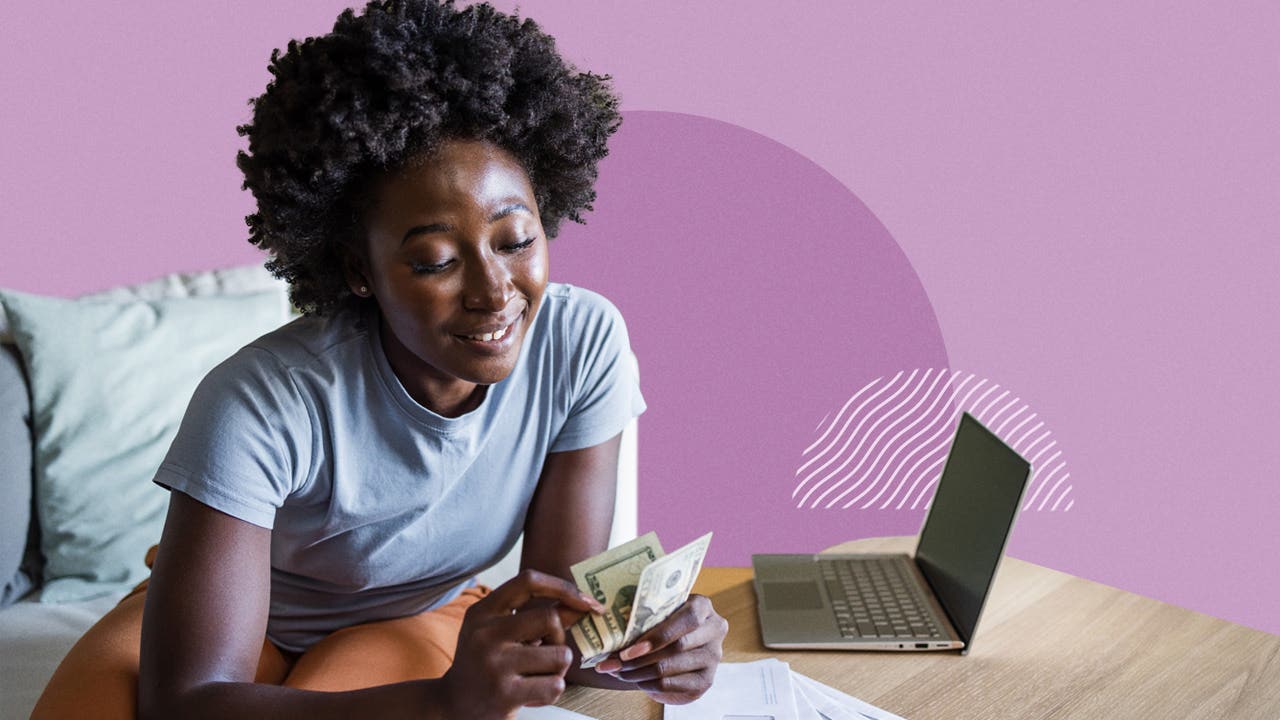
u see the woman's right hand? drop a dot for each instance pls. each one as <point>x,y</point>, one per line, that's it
<point>512,652</point>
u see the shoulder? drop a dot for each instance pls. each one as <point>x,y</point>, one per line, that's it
<point>577,309</point>
<point>313,339</point>
<point>600,391</point>
<point>587,328</point>
<point>268,367</point>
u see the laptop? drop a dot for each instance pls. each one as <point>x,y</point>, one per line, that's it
<point>929,601</point>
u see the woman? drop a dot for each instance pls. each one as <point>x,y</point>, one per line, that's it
<point>337,483</point>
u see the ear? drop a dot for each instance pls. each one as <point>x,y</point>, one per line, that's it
<point>355,269</point>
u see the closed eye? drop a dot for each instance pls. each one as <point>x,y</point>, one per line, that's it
<point>426,269</point>
<point>423,269</point>
<point>517,247</point>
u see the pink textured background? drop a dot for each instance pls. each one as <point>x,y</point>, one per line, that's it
<point>1088,196</point>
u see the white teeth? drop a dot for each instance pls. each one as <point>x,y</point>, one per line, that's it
<point>490,336</point>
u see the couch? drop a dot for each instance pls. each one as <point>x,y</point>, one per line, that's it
<point>40,620</point>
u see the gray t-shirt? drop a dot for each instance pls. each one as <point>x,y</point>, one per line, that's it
<point>379,507</point>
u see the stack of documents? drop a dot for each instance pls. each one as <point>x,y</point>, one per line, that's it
<point>769,689</point>
<point>765,689</point>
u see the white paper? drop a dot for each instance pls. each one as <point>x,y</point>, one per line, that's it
<point>549,712</point>
<point>804,707</point>
<point>760,690</point>
<point>835,705</point>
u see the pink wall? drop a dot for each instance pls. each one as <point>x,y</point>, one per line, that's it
<point>1088,197</point>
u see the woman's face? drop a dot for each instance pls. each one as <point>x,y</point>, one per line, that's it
<point>456,253</point>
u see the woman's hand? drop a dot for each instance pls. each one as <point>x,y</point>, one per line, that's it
<point>675,662</point>
<point>511,653</point>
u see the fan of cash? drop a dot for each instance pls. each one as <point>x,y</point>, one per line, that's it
<point>639,587</point>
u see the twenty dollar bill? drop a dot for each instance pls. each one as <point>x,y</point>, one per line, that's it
<point>639,587</point>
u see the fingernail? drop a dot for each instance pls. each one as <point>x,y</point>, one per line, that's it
<point>608,666</point>
<point>636,651</point>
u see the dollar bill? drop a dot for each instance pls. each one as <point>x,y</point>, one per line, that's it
<point>611,578</point>
<point>639,587</point>
<point>663,587</point>
<point>587,638</point>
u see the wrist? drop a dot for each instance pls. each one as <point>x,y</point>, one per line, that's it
<point>441,699</point>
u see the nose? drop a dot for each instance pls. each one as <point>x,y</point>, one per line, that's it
<point>488,285</point>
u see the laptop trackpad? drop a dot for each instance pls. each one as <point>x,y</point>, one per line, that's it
<point>792,596</point>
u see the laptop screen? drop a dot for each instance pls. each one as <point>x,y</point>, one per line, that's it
<point>969,521</point>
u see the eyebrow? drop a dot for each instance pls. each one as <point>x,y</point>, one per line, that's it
<point>502,212</point>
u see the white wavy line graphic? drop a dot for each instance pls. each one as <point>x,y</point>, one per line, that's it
<point>891,414</point>
<point>1053,490</point>
<point>944,432</point>
<point>855,434</point>
<point>1049,478</point>
<point>838,436</point>
<point>942,447</point>
<point>932,416</point>
<point>919,473</point>
<point>1036,442</point>
<point>1029,433</point>
<point>887,443</point>
<point>1066,491</point>
<point>1014,430</point>
<point>991,421</point>
<point>984,411</point>
<point>849,402</point>
<point>933,480</point>
<point>1042,476</point>
<point>937,424</point>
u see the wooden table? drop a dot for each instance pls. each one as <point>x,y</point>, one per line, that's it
<point>1049,645</point>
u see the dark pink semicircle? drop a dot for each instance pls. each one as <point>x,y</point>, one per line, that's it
<point>759,294</point>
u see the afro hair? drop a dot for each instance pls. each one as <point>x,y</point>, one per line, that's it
<point>385,88</point>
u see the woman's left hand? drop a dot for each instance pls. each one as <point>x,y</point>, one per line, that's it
<point>675,662</point>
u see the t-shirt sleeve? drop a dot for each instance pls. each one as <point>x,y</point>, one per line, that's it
<point>605,378</point>
<point>244,442</point>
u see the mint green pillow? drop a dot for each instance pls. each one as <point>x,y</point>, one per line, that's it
<point>110,381</point>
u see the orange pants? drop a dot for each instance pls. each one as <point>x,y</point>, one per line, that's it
<point>99,676</point>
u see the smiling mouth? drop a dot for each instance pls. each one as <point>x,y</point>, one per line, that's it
<point>490,336</point>
<point>497,338</point>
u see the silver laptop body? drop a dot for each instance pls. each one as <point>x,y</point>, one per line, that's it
<point>898,602</point>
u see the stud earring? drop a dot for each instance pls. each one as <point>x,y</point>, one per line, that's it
<point>364,289</point>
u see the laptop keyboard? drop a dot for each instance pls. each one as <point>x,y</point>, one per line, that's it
<point>875,598</point>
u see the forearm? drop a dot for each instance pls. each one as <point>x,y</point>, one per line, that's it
<point>416,700</point>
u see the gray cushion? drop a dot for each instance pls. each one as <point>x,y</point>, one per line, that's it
<point>242,280</point>
<point>110,381</point>
<point>15,475</point>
